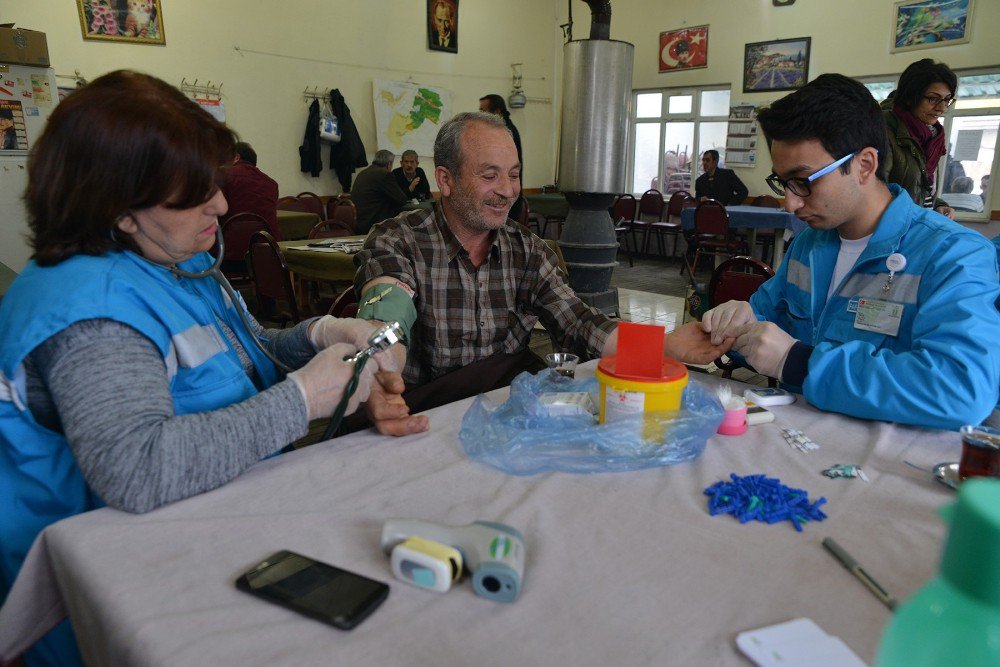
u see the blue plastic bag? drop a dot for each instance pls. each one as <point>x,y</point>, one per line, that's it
<point>519,437</point>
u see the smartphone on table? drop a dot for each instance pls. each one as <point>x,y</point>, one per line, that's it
<point>318,590</point>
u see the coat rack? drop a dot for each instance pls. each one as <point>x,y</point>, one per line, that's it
<point>77,78</point>
<point>194,90</point>
<point>315,94</point>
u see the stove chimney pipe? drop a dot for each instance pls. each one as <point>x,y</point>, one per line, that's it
<point>600,18</point>
<point>597,94</point>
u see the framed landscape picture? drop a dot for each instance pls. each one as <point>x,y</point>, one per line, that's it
<point>136,21</point>
<point>684,49</point>
<point>778,65</point>
<point>929,23</point>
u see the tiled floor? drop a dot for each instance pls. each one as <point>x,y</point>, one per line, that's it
<point>650,308</point>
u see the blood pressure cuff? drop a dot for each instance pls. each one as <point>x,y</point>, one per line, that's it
<point>389,303</point>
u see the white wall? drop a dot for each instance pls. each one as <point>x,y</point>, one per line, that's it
<point>287,46</point>
<point>346,43</point>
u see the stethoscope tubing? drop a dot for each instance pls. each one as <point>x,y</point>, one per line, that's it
<point>215,272</point>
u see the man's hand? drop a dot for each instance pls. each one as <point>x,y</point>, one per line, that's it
<point>723,320</point>
<point>765,346</point>
<point>388,411</point>
<point>946,211</point>
<point>414,183</point>
<point>691,345</point>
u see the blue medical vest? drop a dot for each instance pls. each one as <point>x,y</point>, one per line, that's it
<point>40,482</point>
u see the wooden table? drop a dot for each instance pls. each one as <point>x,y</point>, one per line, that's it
<point>314,265</point>
<point>319,264</point>
<point>752,218</point>
<point>296,224</point>
<point>417,205</point>
<point>549,205</point>
<point>621,568</point>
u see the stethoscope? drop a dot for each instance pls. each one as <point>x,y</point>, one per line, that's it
<point>215,272</point>
<point>381,340</point>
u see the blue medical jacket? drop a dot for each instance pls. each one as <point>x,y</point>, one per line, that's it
<point>942,369</point>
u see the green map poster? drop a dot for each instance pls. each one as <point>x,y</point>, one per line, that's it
<point>409,115</point>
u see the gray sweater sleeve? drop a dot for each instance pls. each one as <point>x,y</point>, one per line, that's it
<point>109,385</point>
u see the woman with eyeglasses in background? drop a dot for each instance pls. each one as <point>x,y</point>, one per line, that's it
<point>916,137</point>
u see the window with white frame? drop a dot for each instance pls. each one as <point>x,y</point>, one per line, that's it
<point>971,125</point>
<point>671,128</point>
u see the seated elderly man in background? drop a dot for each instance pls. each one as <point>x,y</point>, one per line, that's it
<point>375,193</point>
<point>469,284</point>
<point>960,196</point>
<point>882,309</point>
<point>410,178</point>
<point>249,190</point>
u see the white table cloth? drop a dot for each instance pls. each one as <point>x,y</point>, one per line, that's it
<point>625,568</point>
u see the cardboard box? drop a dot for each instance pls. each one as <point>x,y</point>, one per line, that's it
<point>23,47</point>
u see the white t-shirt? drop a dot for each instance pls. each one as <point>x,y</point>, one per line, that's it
<point>850,250</point>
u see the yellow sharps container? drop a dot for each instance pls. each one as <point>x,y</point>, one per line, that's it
<point>623,395</point>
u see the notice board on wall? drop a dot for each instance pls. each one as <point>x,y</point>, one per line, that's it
<point>741,137</point>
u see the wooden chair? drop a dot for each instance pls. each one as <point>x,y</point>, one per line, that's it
<point>671,224</point>
<point>331,206</point>
<point>328,229</point>
<point>712,234</point>
<point>313,204</point>
<point>650,210</point>
<point>524,219</point>
<point>347,213</point>
<point>236,233</point>
<point>623,216</point>
<point>766,237</point>
<point>736,279</point>
<point>345,305</point>
<point>272,282</point>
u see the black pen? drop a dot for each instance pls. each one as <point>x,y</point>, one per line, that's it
<point>848,562</point>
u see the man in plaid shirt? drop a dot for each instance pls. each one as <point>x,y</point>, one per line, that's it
<point>468,284</point>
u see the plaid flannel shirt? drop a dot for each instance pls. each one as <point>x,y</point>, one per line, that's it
<point>464,313</point>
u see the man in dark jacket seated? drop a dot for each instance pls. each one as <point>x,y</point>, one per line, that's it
<point>723,185</point>
<point>410,178</point>
<point>375,192</point>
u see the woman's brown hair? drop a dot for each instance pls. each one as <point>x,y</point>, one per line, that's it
<point>126,141</point>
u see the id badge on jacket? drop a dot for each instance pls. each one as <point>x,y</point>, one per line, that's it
<point>878,316</point>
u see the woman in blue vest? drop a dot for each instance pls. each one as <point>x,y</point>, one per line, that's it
<point>122,382</point>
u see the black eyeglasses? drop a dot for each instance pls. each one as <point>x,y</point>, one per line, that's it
<point>800,186</point>
<point>937,100</point>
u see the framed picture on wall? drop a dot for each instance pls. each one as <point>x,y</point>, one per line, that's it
<point>136,21</point>
<point>686,48</point>
<point>929,23</point>
<point>778,65</point>
<point>442,25</point>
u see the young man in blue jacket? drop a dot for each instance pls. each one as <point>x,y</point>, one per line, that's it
<point>882,309</point>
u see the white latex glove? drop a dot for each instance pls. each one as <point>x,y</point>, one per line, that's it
<point>329,330</point>
<point>764,345</point>
<point>723,320</point>
<point>322,381</point>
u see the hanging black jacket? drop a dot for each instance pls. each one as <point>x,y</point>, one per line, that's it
<point>310,158</point>
<point>349,153</point>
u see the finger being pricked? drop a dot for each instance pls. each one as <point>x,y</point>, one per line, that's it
<point>403,426</point>
<point>388,411</point>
